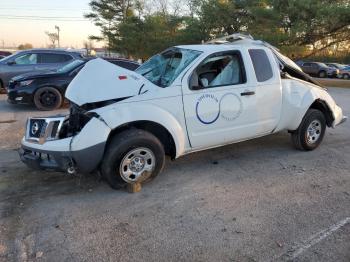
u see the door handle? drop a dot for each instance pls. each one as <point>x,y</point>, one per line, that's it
<point>249,93</point>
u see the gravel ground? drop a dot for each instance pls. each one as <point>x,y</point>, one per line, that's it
<point>259,200</point>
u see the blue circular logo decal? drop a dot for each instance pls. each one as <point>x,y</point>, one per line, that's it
<point>207,109</point>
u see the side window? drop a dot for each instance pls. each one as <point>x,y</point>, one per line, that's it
<point>221,69</point>
<point>66,58</point>
<point>306,64</point>
<point>54,58</point>
<point>27,59</point>
<point>261,63</point>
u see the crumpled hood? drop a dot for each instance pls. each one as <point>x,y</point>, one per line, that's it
<point>100,80</point>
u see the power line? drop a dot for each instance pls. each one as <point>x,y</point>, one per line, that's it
<point>38,16</point>
<point>44,9</point>
<point>47,18</point>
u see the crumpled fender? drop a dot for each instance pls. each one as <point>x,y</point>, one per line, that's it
<point>297,97</point>
<point>123,113</point>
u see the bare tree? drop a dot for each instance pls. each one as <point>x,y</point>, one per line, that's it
<point>89,46</point>
<point>53,37</point>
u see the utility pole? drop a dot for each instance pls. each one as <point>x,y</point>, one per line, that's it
<point>58,35</point>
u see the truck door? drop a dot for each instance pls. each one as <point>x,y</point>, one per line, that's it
<point>219,101</point>
<point>268,90</point>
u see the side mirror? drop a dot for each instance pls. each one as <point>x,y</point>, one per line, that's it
<point>11,63</point>
<point>283,75</point>
<point>196,87</point>
<point>195,82</point>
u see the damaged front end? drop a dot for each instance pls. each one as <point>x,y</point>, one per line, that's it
<point>77,141</point>
<point>65,143</point>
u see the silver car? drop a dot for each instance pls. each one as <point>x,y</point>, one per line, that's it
<point>32,60</point>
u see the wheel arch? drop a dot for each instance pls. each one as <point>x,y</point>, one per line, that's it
<point>150,117</point>
<point>158,130</point>
<point>322,106</point>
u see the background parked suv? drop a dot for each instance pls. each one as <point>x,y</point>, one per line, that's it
<point>34,59</point>
<point>319,69</point>
<point>344,70</point>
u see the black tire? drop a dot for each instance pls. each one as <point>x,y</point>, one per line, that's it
<point>346,76</point>
<point>120,147</point>
<point>322,74</point>
<point>300,136</point>
<point>48,98</point>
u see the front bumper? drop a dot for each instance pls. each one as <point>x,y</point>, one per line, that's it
<point>20,96</point>
<point>45,160</point>
<point>83,151</point>
<point>84,161</point>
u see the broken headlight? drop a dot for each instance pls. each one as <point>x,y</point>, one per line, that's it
<point>40,130</point>
<point>78,118</point>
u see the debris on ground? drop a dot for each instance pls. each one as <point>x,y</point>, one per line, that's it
<point>39,254</point>
<point>134,188</point>
<point>279,244</point>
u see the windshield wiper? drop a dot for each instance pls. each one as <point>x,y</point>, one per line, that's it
<point>149,71</point>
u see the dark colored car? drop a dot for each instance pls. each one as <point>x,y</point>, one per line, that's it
<point>335,65</point>
<point>125,63</point>
<point>319,69</point>
<point>5,53</point>
<point>33,60</point>
<point>344,71</point>
<point>45,89</point>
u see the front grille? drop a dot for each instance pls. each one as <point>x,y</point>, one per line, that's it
<point>43,129</point>
<point>37,127</point>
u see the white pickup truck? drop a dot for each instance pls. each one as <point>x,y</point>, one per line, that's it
<point>185,99</point>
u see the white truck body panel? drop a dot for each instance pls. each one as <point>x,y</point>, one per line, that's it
<point>195,119</point>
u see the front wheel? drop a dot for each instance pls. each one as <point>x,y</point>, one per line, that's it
<point>48,98</point>
<point>322,74</point>
<point>310,133</point>
<point>133,156</point>
<point>346,76</point>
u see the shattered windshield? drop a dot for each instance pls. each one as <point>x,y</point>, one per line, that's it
<point>162,69</point>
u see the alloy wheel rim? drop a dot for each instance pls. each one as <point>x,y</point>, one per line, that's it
<point>48,98</point>
<point>313,132</point>
<point>137,165</point>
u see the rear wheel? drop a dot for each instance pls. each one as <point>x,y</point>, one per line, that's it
<point>346,76</point>
<point>133,156</point>
<point>48,98</point>
<point>310,133</point>
<point>322,74</point>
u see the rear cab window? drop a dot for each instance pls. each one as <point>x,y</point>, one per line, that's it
<point>261,63</point>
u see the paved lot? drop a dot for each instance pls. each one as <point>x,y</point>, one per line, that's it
<point>255,201</point>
